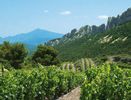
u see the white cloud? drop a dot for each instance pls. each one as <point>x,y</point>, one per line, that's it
<point>66,13</point>
<point>46,11</point>
<point>102,17</point>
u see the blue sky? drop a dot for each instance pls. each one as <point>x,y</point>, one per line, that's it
<point>21,16</point>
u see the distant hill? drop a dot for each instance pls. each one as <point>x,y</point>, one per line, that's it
<point>32,38</point>
<point>97,41</point>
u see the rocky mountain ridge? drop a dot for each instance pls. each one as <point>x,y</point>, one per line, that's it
<point>88,30</point>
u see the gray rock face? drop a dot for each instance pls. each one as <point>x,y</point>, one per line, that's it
<point>98,29</point>
<point>75,34</point>
<point>120,19</point>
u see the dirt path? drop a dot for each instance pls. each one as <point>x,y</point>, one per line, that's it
<point>73,95</point>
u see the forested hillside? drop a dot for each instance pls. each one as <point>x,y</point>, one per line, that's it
<point>112,42</point>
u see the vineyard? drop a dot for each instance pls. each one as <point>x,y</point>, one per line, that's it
<point>106,82</point>
<point>80,65</point>
<point>38,84</point>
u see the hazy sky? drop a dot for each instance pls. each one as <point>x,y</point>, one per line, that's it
<point>20,16</point>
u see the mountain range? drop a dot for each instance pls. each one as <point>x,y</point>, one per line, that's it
<point>114,38</point>
<point>87,29</point>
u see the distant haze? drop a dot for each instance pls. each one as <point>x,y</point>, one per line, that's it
<point>33,38</point>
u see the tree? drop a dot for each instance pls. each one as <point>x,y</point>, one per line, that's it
<point>45,55</point>
<point>18,54</point>
<point>13,54</point>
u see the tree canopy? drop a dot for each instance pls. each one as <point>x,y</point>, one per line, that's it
<point>45,55</point>
<point>13,54</point>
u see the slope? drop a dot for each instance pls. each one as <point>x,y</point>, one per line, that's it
<point>115,41</point>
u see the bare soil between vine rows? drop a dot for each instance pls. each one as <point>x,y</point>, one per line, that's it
<point>73,95</point>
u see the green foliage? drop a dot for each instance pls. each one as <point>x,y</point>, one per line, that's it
<point>38,84</point>
<point>45,55</point>
<point>12,54</point>
<point>107,83</point>
<point>112,42</point>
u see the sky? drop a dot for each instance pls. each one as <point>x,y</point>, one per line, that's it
<point>21,16</point>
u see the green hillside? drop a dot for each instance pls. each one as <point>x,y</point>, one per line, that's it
<point>116,41</point>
